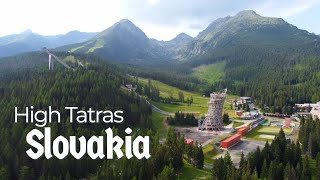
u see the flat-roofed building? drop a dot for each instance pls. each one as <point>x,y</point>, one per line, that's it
<point>315,112</point>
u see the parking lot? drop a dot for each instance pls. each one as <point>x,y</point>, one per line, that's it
<point>202,137</point>
<point>246,146</point>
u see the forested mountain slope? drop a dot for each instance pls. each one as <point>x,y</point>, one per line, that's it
<point>266,58</point>
<point>123,42</point>
<point>248,29</point>
<point>96,86</point>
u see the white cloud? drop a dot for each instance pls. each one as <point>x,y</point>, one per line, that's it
<point>153,2</point>
<point>59,16</point>
<point>286,8</point>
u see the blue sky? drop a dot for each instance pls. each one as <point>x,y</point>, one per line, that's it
<point>160,19</point>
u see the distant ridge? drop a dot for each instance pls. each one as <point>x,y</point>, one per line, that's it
<point>29,41</point>
<point>125,42</point>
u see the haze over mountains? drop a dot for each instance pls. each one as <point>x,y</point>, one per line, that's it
<point>125,42</point>
<point>28,41</point>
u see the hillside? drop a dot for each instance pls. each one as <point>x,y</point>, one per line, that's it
<point>28,41</point>
<point>123,42</point>
<point>266,58</point>
<point>248,29</point>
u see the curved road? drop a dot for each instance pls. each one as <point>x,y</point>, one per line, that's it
<point>155,108</point>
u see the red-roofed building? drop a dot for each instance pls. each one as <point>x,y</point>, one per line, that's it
<point>188,141</point>
<point>239,113</point>
<point>242,131</point>
<point>227,143</point>
<point>287,123</point>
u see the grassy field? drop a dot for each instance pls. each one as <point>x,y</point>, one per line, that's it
<point>266,130</point>
<point>237,124</point>
<point>190,172</point>
<point>210,73</point>
<point>180,107</point>
<point>200,103</point>
<point>157,123</point>
<point>209,153</point>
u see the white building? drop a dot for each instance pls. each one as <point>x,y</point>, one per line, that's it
<point>315,111</point>
<point>242,101</point>
<point>306,105</point>
<point>245,100</point>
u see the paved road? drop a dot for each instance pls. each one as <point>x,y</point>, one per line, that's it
<point>294,133</point>
<point>207,166</point>
<point>160,110</point>
<point>153,106</point>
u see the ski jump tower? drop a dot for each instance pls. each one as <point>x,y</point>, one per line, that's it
<point>213,119</point>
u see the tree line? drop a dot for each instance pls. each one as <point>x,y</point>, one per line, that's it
<point>96,86</point>
<point>282,159</point>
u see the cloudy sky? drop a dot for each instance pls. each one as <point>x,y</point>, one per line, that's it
<point>160,19</point>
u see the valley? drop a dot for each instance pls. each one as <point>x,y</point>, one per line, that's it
<point>220,105</point>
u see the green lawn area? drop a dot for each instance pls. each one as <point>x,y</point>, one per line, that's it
<point>237,124</point>
<point>209,153</point>
<point>270,131</point>
<point>227,105</point>
<point>181,107</point>
<point>200,103</point>
<point>210,73</point>
<point>167,90</point>
<point>157,123</point>
<point>190,172</point>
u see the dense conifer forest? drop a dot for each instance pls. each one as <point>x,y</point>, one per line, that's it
<point>280,159</point>
<point>97,86</point>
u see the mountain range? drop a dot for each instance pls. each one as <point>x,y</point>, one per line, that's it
<point>262,57</point>
<point>127,43</point>
<point>247,28</point>
<point>28,41</point>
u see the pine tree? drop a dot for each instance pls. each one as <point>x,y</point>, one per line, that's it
<point>231,173</point>
<point>254,176</point>
<point>199,157</point>
<point>219,169</point>
<point>264,170</point>
<point>227,159</point>
<point>226,119</point>
<point>318,165</point>
<point>310,145</point>
<point>25,173</point>
<point>246,172</point>
<point>272,174</point>
<point>279,171</point>
<point>298,170</point>
<point>142,173</point>
<point>306,173</point>
<point>4,173</point>
<point>282,140</point>
<point>287,174</point>
<point>67,177</point>
<point>167,173</point>
<point>242,162</point>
